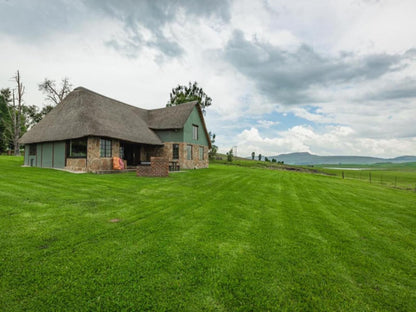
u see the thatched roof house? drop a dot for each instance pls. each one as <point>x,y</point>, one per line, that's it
<point>87,129</point>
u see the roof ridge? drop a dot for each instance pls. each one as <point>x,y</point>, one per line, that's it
<point>174,106</point>
<point>80,88</point>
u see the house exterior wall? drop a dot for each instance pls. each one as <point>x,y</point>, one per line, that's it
<point>59,154</point>
<point>172,135</point>
<point>94,161</point>
<point>183,162</point>
<point>194,119</point>
<point>47,151</point>
<point>76,164</point>
<point>48,155</point>
<point>183,138</point>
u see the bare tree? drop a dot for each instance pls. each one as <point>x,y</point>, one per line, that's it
<point>55,94</point>
<point>14,126</point>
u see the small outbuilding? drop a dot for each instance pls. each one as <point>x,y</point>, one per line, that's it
<point>86,130</point>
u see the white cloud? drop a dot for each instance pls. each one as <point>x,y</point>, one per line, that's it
<point>266,123</point>
<point>333,140</point>
<point>341,66</point>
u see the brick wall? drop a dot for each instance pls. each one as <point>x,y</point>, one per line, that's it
<point>159,167</point>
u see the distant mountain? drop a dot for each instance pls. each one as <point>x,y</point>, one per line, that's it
<point>310,159</point>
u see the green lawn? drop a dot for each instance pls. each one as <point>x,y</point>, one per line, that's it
<point>227,238</point>
<point>392,175</point>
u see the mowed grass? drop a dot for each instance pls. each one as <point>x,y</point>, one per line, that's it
<point>226,238</point>
<point>393,175</point>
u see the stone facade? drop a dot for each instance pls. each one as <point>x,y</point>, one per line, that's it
<point>76,164</point>
<point>95,163</point>
<point>159,167</point>
<point>183,162</point>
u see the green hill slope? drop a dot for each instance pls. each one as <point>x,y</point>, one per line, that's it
<point>225,238</point>
<point>310,159</point>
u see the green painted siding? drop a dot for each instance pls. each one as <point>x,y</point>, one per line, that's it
<point>170,135</point>
<point>39,155</point>
<point>59,154</point>
<point>47,155</point>
<point>26,155</point>
<point>194,119</point>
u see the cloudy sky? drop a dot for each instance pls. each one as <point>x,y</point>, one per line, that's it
<point>325,77</point>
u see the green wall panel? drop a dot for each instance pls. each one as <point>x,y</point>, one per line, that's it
<point>39,155</point>
<point>59,154</point>
<point>47,155</point>
<point>26,155</point>
<point>170,135</point>
<point>195,119</point>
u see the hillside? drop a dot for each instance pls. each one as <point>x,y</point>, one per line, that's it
<point>310,159</point>
<point>227,238</point>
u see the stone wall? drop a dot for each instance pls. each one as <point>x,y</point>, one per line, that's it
<point>159,167</point>
<point>147,151</point>
<point>183,162</point>
<point>97,163</point>
<point>76,164</point>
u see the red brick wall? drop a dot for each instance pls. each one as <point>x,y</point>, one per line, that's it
<point>159,167</point>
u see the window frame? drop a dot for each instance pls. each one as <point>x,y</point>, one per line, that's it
<point>188,152</point>
<point>201,153</point>
<point>106,148</point>
<point>175,151</point>
<point>71,144</point>
<point>195,132</point>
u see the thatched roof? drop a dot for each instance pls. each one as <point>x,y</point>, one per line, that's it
<point>173,117</point>
<point>86,113</point>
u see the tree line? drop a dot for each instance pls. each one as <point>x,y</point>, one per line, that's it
<point>16,117</point>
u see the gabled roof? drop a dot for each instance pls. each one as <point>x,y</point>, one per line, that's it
<point>84,113</point>
<point>173,117</point>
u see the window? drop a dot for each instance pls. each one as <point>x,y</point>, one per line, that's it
<point>201,153</point>
<point>78,148</point>
<point>105,148</point>
<point>175,151</point>
<point>189,152</point>
<point>121,152</point>
<point>195,132</point>
<point>32,149</point>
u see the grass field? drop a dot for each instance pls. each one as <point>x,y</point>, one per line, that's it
<point>393,175</point>
<point>228,238</point>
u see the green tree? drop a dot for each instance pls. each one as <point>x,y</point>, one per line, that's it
<point>259,156</point>
<point>274,160</point>
<point>213,152</point>
<point>4,118</point>
<point>230,155</point>
<point>266,159</point>
<point>189,93</point>
<point>253,155</point>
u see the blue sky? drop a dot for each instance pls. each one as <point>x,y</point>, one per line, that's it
<point>326,77</point>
